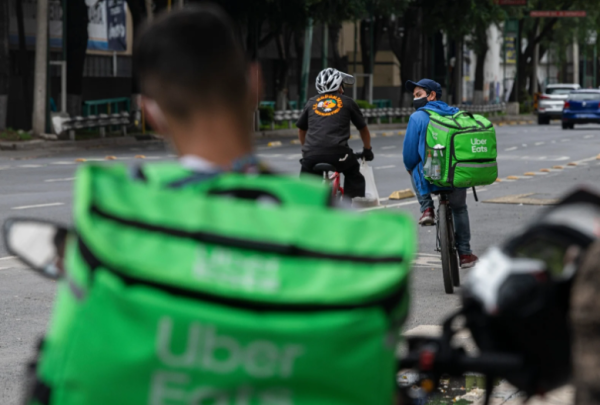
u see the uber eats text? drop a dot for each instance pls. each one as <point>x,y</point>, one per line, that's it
<point>210,355</point>
<point>478,145</point>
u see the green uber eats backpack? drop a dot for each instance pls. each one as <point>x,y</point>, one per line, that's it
<point>460,150</point>
<point>180,296</point>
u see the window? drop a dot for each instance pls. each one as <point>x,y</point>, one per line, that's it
<point>584,96</point>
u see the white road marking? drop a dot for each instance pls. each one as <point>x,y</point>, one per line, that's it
<point>384,167</point>
<point>389,147</point>
<point>553,141</point>
<point>524,145</point>
<point>26,207</point>
<point>56,180</point>
<point>294,156</point>
<point>509,149</point>
<point>539,143</point>
<point>588,136</point>
<point>7,258</point>
<point>565,140</point>
<point>383,199</point>
<point>30,166</point>
<point>423,260</point>
<point>63,163</point>
<point>537,158</point>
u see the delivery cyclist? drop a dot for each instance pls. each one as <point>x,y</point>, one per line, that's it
<point>324,131</point>
<point>427,94</point>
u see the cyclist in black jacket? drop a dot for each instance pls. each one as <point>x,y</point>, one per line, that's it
<point>324,130</point>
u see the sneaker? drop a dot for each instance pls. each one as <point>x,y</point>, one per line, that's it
<point>468,261</point>
<point>428,217</point>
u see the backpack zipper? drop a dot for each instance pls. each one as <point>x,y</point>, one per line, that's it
<point>388,302</point>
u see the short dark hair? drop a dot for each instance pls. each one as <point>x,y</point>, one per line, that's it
<point>191,58</point>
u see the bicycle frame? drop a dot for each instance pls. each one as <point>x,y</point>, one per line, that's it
<point>335,180</point>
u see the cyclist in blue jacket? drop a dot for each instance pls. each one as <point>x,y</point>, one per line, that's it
<point>427,94</point>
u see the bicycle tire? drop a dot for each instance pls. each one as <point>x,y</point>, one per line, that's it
<point>445,248</point>
<point>453,252</point>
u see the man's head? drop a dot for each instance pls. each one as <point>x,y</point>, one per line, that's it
<point>194,75</point>
<point>331,80</point>
<point>425,88</point>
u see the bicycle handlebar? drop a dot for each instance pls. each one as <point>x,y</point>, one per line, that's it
<point>489,363</point>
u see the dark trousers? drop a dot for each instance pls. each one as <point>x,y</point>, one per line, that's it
<point>354,182</point>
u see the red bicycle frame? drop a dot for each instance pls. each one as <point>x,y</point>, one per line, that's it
<point>336,187</point>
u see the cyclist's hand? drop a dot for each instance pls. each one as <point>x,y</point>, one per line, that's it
<point>368,154</point>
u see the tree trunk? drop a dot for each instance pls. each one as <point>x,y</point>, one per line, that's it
<point>525,57</point>
<point>4,63</point>
<point>403,36</point>
<point>481,50</point>
<point>138,13</point>
<point>365,45</point>
<point>283,41</point>
<point>77,38</point>
<point>334,38</point>
<point>299,48</point>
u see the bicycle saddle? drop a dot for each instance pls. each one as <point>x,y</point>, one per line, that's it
<point>324,167</point>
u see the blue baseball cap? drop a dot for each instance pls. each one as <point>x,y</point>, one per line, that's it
<point>426,84</point>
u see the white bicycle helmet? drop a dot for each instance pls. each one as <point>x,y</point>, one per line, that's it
<point>331,79</point>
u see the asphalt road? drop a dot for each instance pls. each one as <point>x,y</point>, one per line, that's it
<point>38,185</point>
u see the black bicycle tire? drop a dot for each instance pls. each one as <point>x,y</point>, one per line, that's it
<point>453,253</point>
<point>445,248</point>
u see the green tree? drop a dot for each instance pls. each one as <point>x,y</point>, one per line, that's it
<point>544,31</point>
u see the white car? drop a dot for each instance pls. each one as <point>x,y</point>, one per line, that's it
<point>550,103</point>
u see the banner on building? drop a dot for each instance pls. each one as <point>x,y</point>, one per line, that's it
<point>55,16</point>
<point>107,27</point>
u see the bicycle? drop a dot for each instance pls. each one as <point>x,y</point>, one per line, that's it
<point>446,243</point>
<point>334,179</point>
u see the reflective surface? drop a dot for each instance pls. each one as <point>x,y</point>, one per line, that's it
<point>38,244</point>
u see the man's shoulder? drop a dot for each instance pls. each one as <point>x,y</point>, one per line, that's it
<point>347,99</point>
<point>419,116</point>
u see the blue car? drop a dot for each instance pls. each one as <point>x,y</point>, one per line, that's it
<point>581,107</point>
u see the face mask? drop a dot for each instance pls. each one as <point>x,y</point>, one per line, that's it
<point>420,102</point>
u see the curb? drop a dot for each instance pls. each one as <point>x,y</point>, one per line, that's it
<point>38,144</point>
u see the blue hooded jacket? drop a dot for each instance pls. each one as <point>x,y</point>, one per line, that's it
<point>414,143</point>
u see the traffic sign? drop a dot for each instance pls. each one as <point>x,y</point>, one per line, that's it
<point>511,2</point>
<point>548,13</point>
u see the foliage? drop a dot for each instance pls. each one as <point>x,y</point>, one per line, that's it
<point>13,135</point>
<point>267,113</point>
<point>365,104</point>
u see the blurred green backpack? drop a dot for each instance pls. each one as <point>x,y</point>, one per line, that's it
<point>186,289</point>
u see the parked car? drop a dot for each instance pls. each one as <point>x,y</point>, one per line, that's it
<point>550,103</point>
<point>581,107</point>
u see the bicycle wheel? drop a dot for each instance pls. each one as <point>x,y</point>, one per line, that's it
<point>453,252</point>
<point>443,234</point>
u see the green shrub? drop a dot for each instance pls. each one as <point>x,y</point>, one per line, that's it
<point>364,104</point>
<point>266,114</point>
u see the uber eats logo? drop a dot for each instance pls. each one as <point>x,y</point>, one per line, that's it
<point>212,356</point>
<point>478,145</point>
